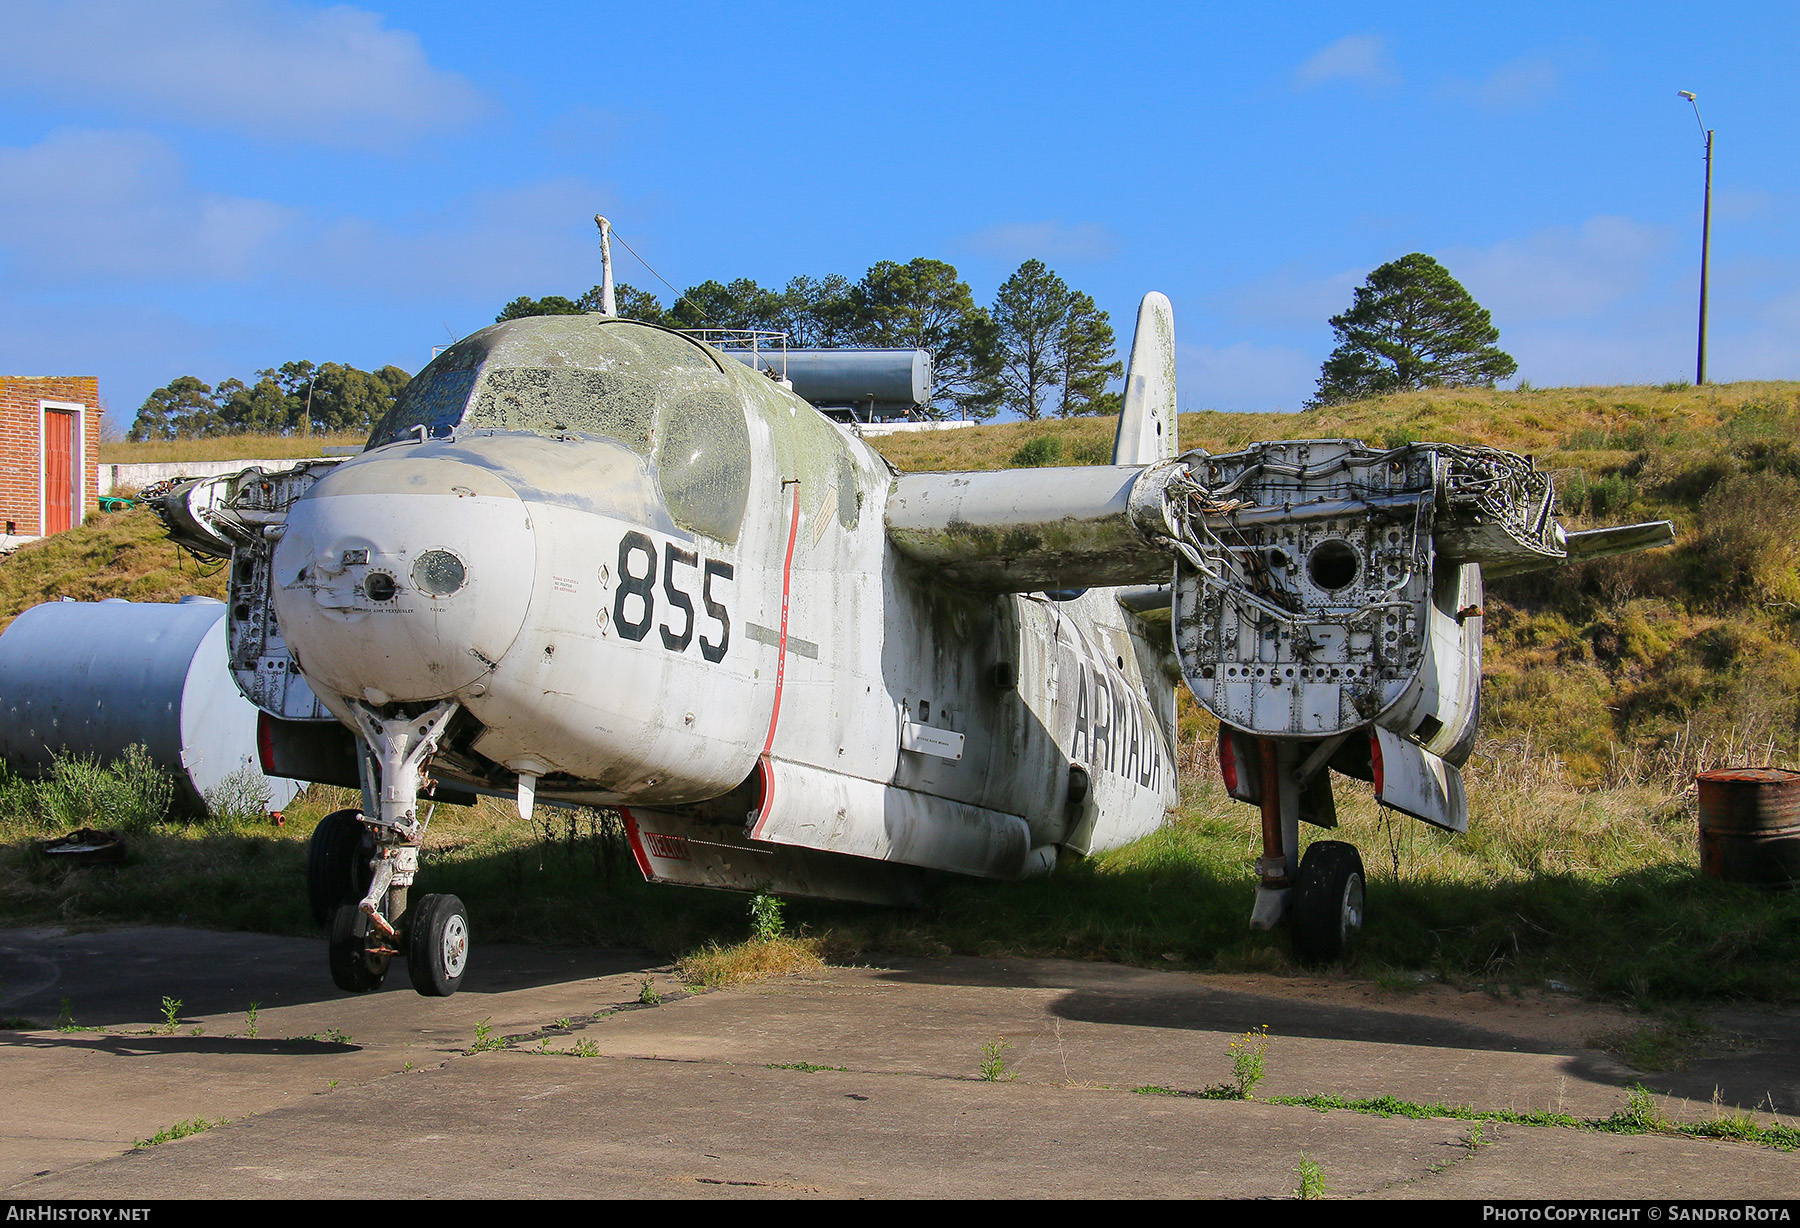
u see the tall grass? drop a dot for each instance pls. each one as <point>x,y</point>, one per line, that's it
<point>131,794</point>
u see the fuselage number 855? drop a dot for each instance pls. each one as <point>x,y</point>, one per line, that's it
<point>637,580</point>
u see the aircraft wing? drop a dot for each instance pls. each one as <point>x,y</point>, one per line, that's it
<point>1032,530</point>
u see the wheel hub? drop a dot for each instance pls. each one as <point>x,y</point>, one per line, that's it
<point>454,950</point>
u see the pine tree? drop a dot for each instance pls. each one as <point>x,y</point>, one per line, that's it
<point>925,304</point>
<point>1030,312</point>
<point>1086,350</point>
<point>1412,325</point>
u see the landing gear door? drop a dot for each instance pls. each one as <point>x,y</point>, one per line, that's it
<point>1414,781</point>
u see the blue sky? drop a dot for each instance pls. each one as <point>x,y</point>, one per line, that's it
<point>208,187</point>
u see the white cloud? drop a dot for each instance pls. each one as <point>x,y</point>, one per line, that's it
<point>114,263</point>
<point>265,67</point>
<point>535,239</point>
<point>1515,85</point>
<point>1047,241</point>
<point>1560,272</point>
<point>118,205</point>
<point>1359,58</point>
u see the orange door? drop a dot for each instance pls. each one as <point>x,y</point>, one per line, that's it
<point>59,470</point>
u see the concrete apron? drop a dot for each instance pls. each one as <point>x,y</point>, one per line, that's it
<point>729,1093</point>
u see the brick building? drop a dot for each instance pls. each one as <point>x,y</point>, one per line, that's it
<point>49,453</point>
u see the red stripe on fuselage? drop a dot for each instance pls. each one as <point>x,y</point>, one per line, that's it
<point>787,575</point>
<point>765,771</point>
<point>637,845</point>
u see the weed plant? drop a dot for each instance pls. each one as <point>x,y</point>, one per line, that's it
<point>1639,1116</point>
<point>485,1039</point>
<point>1312,1178</point>
<point>765,917</point>
<point>180,1129</point>
<point>1249,1055</point>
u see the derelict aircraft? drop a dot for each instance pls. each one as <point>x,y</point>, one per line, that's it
<point>592,561</point>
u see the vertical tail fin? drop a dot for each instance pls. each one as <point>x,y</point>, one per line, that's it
<point>1147,422</point>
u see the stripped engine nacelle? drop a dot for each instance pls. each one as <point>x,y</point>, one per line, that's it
<point>1327,586</point>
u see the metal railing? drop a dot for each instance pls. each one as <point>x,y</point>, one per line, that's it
<point>767,350</point>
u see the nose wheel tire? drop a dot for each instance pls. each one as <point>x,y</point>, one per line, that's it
<point>1328,902</point>
<point>355,968</point>
<point>437,945</point>
<point>337,863</point>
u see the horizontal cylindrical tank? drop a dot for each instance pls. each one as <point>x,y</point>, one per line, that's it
<point>1750,825</point>
<point>890,379</point>
<point>92,678</point>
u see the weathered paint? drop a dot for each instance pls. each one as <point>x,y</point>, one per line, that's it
<point>646,575</point>
<point>1148,415</point>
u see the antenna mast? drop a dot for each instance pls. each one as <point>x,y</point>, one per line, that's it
<point>607,304</point>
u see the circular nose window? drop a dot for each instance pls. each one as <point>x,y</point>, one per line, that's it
<point>379,586</point>
<point>439,573</point>
<point>1332,565</point>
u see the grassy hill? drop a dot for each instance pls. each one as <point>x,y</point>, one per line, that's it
<point>115,554</point>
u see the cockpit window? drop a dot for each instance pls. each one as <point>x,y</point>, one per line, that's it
<point>703,461</point>
<point>659,394</point>
<point>566,401</point>
<point>434,400</point>
<point>435,397</point>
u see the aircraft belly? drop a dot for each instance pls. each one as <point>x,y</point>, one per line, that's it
<point>680,848</point>
<point>817,809</point>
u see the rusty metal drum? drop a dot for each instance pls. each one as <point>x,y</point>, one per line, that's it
<point>1750,825</point>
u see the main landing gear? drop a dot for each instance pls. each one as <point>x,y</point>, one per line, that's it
<point>361,864</point>
<point>1324,902</point>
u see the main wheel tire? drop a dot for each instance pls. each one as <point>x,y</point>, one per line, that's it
<point>337,863</point>
<point>1328,902</point>
<point>353,968</point>
<point>437,945</point>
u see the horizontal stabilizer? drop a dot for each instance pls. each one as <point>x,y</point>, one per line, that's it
<point>1620,539</point>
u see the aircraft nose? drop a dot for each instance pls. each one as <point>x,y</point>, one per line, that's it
<point>404,578</point>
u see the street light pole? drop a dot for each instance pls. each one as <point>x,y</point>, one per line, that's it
<point>1705,239</point>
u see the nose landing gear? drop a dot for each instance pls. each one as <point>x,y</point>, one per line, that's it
<point>361,865</point>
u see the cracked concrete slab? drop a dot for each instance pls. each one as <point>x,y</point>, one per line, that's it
<point>735,1093</point>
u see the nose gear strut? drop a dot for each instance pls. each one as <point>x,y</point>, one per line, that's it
<point>368,933</point>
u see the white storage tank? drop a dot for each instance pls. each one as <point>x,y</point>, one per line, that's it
<point>91,678</point>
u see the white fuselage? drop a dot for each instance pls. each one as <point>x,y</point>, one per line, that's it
<point>657,618</point>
